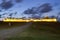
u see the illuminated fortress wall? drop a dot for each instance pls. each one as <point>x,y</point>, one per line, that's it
<point>30,20</point>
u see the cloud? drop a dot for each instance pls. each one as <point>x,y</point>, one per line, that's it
<point>6,5</point>
<point>45,8</point>
<point>18,1</point>
<point>30,11</point>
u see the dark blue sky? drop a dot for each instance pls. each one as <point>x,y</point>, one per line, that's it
<point>25,4</point>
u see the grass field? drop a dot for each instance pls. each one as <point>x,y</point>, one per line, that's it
<point>39,31</point>
<point>5,25</point>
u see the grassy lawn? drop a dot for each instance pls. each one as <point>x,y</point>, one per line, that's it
<point>38,31</point>
<point>4,25</point>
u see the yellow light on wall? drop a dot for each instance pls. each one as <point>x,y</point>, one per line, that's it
<point>29,20</point>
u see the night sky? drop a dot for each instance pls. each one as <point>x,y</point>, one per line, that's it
<point>20,7</point>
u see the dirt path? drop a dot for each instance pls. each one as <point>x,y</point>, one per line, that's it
<point>13,31</point>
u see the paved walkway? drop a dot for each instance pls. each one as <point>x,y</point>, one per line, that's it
<point>13,31</point>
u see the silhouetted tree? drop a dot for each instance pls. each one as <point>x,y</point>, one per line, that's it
<point>58,18</point>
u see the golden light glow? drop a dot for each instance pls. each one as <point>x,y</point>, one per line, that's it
<point>30,20</point>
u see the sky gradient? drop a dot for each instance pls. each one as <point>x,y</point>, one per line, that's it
<point>25,4</point>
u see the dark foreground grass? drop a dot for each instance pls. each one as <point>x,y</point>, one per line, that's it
<point>5,25</point>
<point>32,38</point>
<point>39,31</point>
